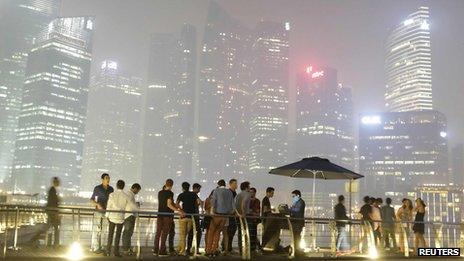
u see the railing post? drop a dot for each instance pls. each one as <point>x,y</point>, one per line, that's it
<point>292,235</point>
<point>438,234</point>
<point>15,242</point>
<point>73,225</point>
<point>137,227</point>
<point>194,232</point>
<point>5,242</point>
<point>78,225</point>
<point>333,236</point>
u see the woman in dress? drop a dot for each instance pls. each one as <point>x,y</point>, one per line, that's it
<point>404,215</point>
<point>419,226</point>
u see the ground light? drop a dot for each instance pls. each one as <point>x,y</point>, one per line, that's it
<point>75,252</point>
<point>373,254</point>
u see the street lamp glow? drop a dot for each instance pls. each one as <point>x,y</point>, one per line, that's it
<point>75,252</point>
<point>443,134</point>
<point>371,119</point>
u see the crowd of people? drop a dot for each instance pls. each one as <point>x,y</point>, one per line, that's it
<point>385,223</point>
<point>224,212</point>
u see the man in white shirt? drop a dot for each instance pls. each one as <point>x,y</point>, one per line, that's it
<point>129,221</point>
<point>117,201</point>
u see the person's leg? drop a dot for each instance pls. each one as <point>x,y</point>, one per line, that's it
<point>416,242</point>
<point>117,239</point>
<point>213,226</point>
<point>253,227</point>
<point>239,236</point>
<point>172,233</point>
<point>165,231</point>
<point>56,227</point>
<point>297,236</point>
<point>159,227</point>
<point>96,232</point>
<point>182,235</point>
<point>221,221</point>
<point>110,237</point>
<point>233,226</point>
<point>393,238</point>
<point>129,224</point>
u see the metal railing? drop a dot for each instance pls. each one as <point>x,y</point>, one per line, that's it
<point>23,227</point>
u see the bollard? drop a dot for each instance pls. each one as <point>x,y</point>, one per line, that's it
<point>292,235</point>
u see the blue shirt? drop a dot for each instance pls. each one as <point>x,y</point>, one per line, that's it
<point>101,195</point>
<point>222,201</point>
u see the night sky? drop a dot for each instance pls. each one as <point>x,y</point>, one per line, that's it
<point>345,34</point>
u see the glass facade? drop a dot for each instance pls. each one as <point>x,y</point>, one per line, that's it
<point>408,64</point>
<point>51,123</point>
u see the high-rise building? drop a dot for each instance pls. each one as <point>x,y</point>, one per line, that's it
<point>408,64</point>
<point>160,79</point>
<point>444,204</point>
<point>324,125</point>
<point>400,150</point>
<point>51,123</point>
<point>457,164</point>
<point>269,102</point>
<point>113,127</point>
<point>180,111</point>
<point>20,23</point>
<point>223,130</point>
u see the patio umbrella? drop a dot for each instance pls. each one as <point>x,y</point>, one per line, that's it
<point>317,168</point>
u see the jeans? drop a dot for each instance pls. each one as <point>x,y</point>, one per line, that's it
<point>389,233</point>
<point>253,227</point>
<point>198,235</point>
<point>117,238</point>
<point>163,227</point>
<point>214,232</point>
<point>342,239</point>
<point>98,223</point>
<point>185,226</point>
<point>129,224</point>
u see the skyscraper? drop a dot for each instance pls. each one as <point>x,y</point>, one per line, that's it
<point>269,90</point>
<point>20,23</point>
<point>223,131</point>
<point>324,117</point>
<point>408,64</point>
<point>457,164</point>
<point>400,150</point>
<point>51,122</point>
<point>113,127</point>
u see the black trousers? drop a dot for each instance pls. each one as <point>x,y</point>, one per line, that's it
<point>198,235</point>
<point>129,225</point>
<point>172,233</point>
<point>231,230</point>
<point>54,221</point>
<point>111,229</point>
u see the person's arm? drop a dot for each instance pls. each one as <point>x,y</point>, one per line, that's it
<point>266,209</point>
<point>174,208</point>
<point>178,202</point>
<point>92,199</point>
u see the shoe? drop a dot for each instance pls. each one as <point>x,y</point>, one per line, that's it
<point>117,255</point>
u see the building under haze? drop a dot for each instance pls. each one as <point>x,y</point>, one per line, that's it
<point>223,124</point>
<point>50,131</point>
<point>400,150</point>
<point>20,24</point>
<point>408,64</point>
<point>113,127</point>
<point>269,102</point>
<point>324,125</point>
<point>457,164</point>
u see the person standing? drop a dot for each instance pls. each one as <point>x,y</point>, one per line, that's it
<point>99,199</point>
<point>340,216</point>
<point>129,219</point>
<point>366,217</point>
<point>231,225</point>
<point>377,220</point>
<point>255,208</point>
<point>297,212</point>
<point>117,201</point>
<point>166,209</point>
<point>404,215</point>
<point>187,201</point>
<point>388,224</point>
<point>266,211</point>
<point>222,206</point>
<point>242,205</point>
<point>419,226</point>
<point>53,216</point>
<point>196,188</point>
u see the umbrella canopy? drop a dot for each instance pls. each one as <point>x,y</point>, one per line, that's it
<point>315,167</point>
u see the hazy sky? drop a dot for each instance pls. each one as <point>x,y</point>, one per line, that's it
<point>345,34</point>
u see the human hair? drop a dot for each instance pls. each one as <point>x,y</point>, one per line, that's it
<point>169,183</point>
<point>269,189</point>
<point>371,200</point>
<point>388,201</point>
<point>196,186</point>
<point>341,198</point>
<point>421,202</point>
<point>232,181</point>
<point>120,184</point>
<point>185,186</point>
<point>136,186</point>
<point>297,192</point>
<point>105,175</point>
<point>244,185</point>
<point>404,200</point>
<point>221,183</point>
<point>379,200</point>
<point>253,189</point>
<point>366,199</point>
